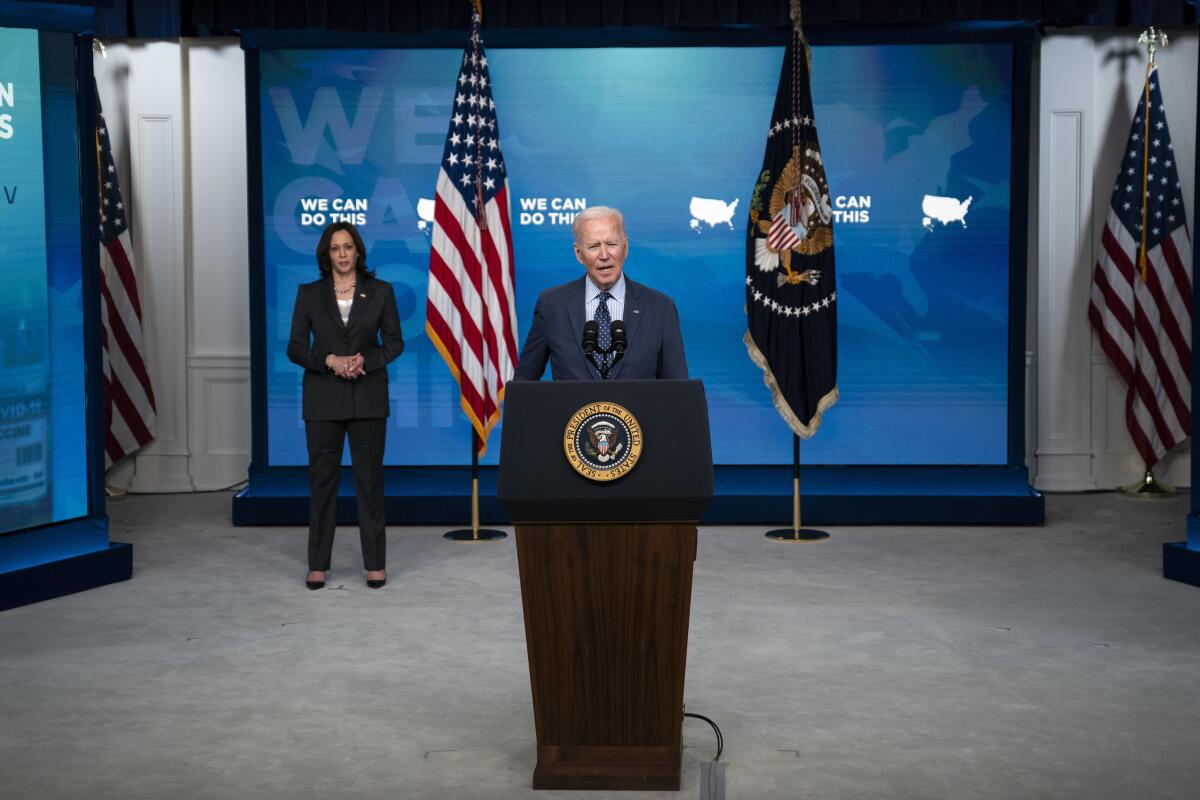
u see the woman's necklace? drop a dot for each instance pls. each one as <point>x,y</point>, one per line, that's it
<point>347,292</point>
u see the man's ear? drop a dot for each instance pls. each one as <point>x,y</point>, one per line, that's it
<point>578,255</point>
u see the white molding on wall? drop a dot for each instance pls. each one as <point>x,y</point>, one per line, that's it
<point>219,422</point>
<point>1031,415</point>
<point>155,200</point>
<point>219,361</point>
<point>163,465</point>
<point>156,243</point>
<point>1063,419</point>
<point>217,226</point>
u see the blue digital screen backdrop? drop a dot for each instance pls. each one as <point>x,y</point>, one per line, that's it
<point>43,478</point>
<point>917,144</point>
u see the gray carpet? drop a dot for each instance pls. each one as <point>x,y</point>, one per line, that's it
<point>936,662</point>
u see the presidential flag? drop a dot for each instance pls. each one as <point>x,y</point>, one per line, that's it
<point>471,313</point>
<point>1141,304</point>
<point>129,408</point>
<point>791,294</point>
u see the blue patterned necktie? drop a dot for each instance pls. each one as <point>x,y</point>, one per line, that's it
<point>604,323</point>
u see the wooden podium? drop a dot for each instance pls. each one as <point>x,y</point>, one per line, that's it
<point>606,573</point>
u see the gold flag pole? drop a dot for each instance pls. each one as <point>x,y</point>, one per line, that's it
<point>1149,487</point>
<point>474,533</point>
<point>796,533</point>
<point>111,493</point>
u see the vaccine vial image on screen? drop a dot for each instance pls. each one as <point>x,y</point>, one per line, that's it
<point>24,406</point>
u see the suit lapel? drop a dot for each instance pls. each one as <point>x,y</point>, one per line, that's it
<point>329,301</point>
<point>633,317</point>
<point>362,296</point>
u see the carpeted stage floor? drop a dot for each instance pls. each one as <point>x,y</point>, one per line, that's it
<point>940,662</point>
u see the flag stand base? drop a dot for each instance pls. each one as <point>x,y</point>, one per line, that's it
<point>1148,488</point>
<point>474,533</point>
<point>801,535</point>
<point>796,533</point>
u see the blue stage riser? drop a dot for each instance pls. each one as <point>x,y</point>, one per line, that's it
<point>1181,563</point>
<point>66,576</point>
<point>744,495</point>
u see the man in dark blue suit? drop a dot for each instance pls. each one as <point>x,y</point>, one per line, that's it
<point>654,344</point>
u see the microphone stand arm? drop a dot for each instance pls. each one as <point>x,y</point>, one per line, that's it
<point>604,365</point>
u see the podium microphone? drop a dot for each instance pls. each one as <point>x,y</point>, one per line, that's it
<point>618,338</point>
<point>591,333</point>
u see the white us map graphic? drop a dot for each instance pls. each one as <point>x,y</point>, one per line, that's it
<point>425,208</point>
<point>714,212</point>
<point>944,210</point>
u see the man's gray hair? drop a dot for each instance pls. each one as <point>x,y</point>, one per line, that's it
<point>596,212</point>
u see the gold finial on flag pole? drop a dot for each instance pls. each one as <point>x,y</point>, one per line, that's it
<point>1152,39</point>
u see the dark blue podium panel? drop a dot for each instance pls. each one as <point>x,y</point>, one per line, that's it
<point>673,475</point>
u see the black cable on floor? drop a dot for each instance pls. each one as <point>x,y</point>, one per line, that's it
<point>720,738</point>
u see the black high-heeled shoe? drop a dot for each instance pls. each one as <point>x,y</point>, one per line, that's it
<point>314,584</point>
<point>376,584</point>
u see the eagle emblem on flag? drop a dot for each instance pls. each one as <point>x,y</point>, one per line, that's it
<point>799,216</point>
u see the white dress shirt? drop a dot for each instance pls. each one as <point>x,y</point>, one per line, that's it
<point>616,303</point>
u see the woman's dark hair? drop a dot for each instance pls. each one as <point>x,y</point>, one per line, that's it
<point>323,260</point>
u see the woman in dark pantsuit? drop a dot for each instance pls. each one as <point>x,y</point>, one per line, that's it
<point>345,331</point>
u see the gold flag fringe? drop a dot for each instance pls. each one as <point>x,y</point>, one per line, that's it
<point>804,431</point>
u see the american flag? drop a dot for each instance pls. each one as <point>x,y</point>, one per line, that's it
<point>1142,292</point>
<point>129,408</point>
<point>471,314</point>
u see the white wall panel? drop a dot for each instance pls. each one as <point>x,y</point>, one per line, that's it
<point>1064,190</point>
<point>217,219</point>
<point>220,427</point>
<point>219,339</point>
<point>156,241</point>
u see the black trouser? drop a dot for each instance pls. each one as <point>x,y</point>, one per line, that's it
<point>325,439</point>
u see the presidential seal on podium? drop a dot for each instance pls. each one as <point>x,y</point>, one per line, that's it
<point>603,441</point>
